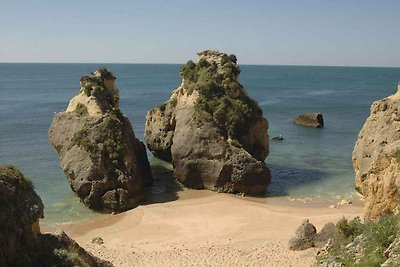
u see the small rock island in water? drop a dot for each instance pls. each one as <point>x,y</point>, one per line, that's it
<point>106,165</point>
<point>214,134</point>
<point>314,120</point>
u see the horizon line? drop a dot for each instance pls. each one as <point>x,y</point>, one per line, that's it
<point>158,63</point>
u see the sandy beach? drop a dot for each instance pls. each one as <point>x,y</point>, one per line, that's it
<point>203,228</point>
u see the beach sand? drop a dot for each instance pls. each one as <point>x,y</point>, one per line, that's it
<point>203,228</point>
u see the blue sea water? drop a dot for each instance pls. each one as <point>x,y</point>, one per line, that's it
<point>308,163</point>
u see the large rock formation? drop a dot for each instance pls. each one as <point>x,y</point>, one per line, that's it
<point>105,163</point>
<point>21,243</point>
<point>376,157</point>
<point>214,134</point>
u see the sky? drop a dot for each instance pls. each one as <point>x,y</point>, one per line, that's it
<point>279,32</point>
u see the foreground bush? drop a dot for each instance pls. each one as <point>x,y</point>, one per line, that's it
<point>371,244</point>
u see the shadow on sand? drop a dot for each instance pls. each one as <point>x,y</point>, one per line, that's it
<point>165,188</point>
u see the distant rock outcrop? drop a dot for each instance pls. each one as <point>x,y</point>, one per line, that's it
<point>376,158</point>
<point>214,134</point>
<point>278,138</point>
<point>314,120</point>
<point>105,163</point>
<point>21,243</point>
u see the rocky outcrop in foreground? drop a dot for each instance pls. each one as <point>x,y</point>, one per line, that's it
<point>372,244</point>
<point>105,163</point>
<point>307,236</point>
<point>376,158</point>
<point>214,134</point>
<point>352,243</point>
<point>21,243</point>
<point>315,120</point>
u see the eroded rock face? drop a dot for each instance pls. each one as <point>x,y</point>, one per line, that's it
<point>315,120</point>
<point>307,236</point>
<point>21,243</point>
<point>215,136</point>
<point>105,163</point>
<point>393,254</point>
<point>20,209</point>
<point>328,232</point>
<point>304,238</point>
<point>376,158</point>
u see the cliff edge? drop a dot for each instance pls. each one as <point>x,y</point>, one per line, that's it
<point>376,157</point>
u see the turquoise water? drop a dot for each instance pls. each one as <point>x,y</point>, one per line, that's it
<point>308,163</point>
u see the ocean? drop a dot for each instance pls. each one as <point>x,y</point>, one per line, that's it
<point>314,163</point>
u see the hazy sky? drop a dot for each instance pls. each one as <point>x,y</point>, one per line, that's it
<point>320,32</point>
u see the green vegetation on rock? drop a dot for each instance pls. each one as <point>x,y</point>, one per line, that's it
<point>104,96</point>
<point>81,138</point>
<point>370,240</point>
<point>111,136</point>
<point>162,107</point>
<point>65,258</point>
<point>350,229</point>
<point>81,110</point>
<point>15,176</point>
<point>105,73</point>
<point>87,89</point>
<point>174,101</point>
<point>94,86</point>
<point>221,97</point>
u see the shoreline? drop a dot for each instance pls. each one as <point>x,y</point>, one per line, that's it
<point>186,193</point>
<point>203,228</point>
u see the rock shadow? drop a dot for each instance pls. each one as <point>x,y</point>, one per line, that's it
<point>285,179</point>
<point>165,188</point>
